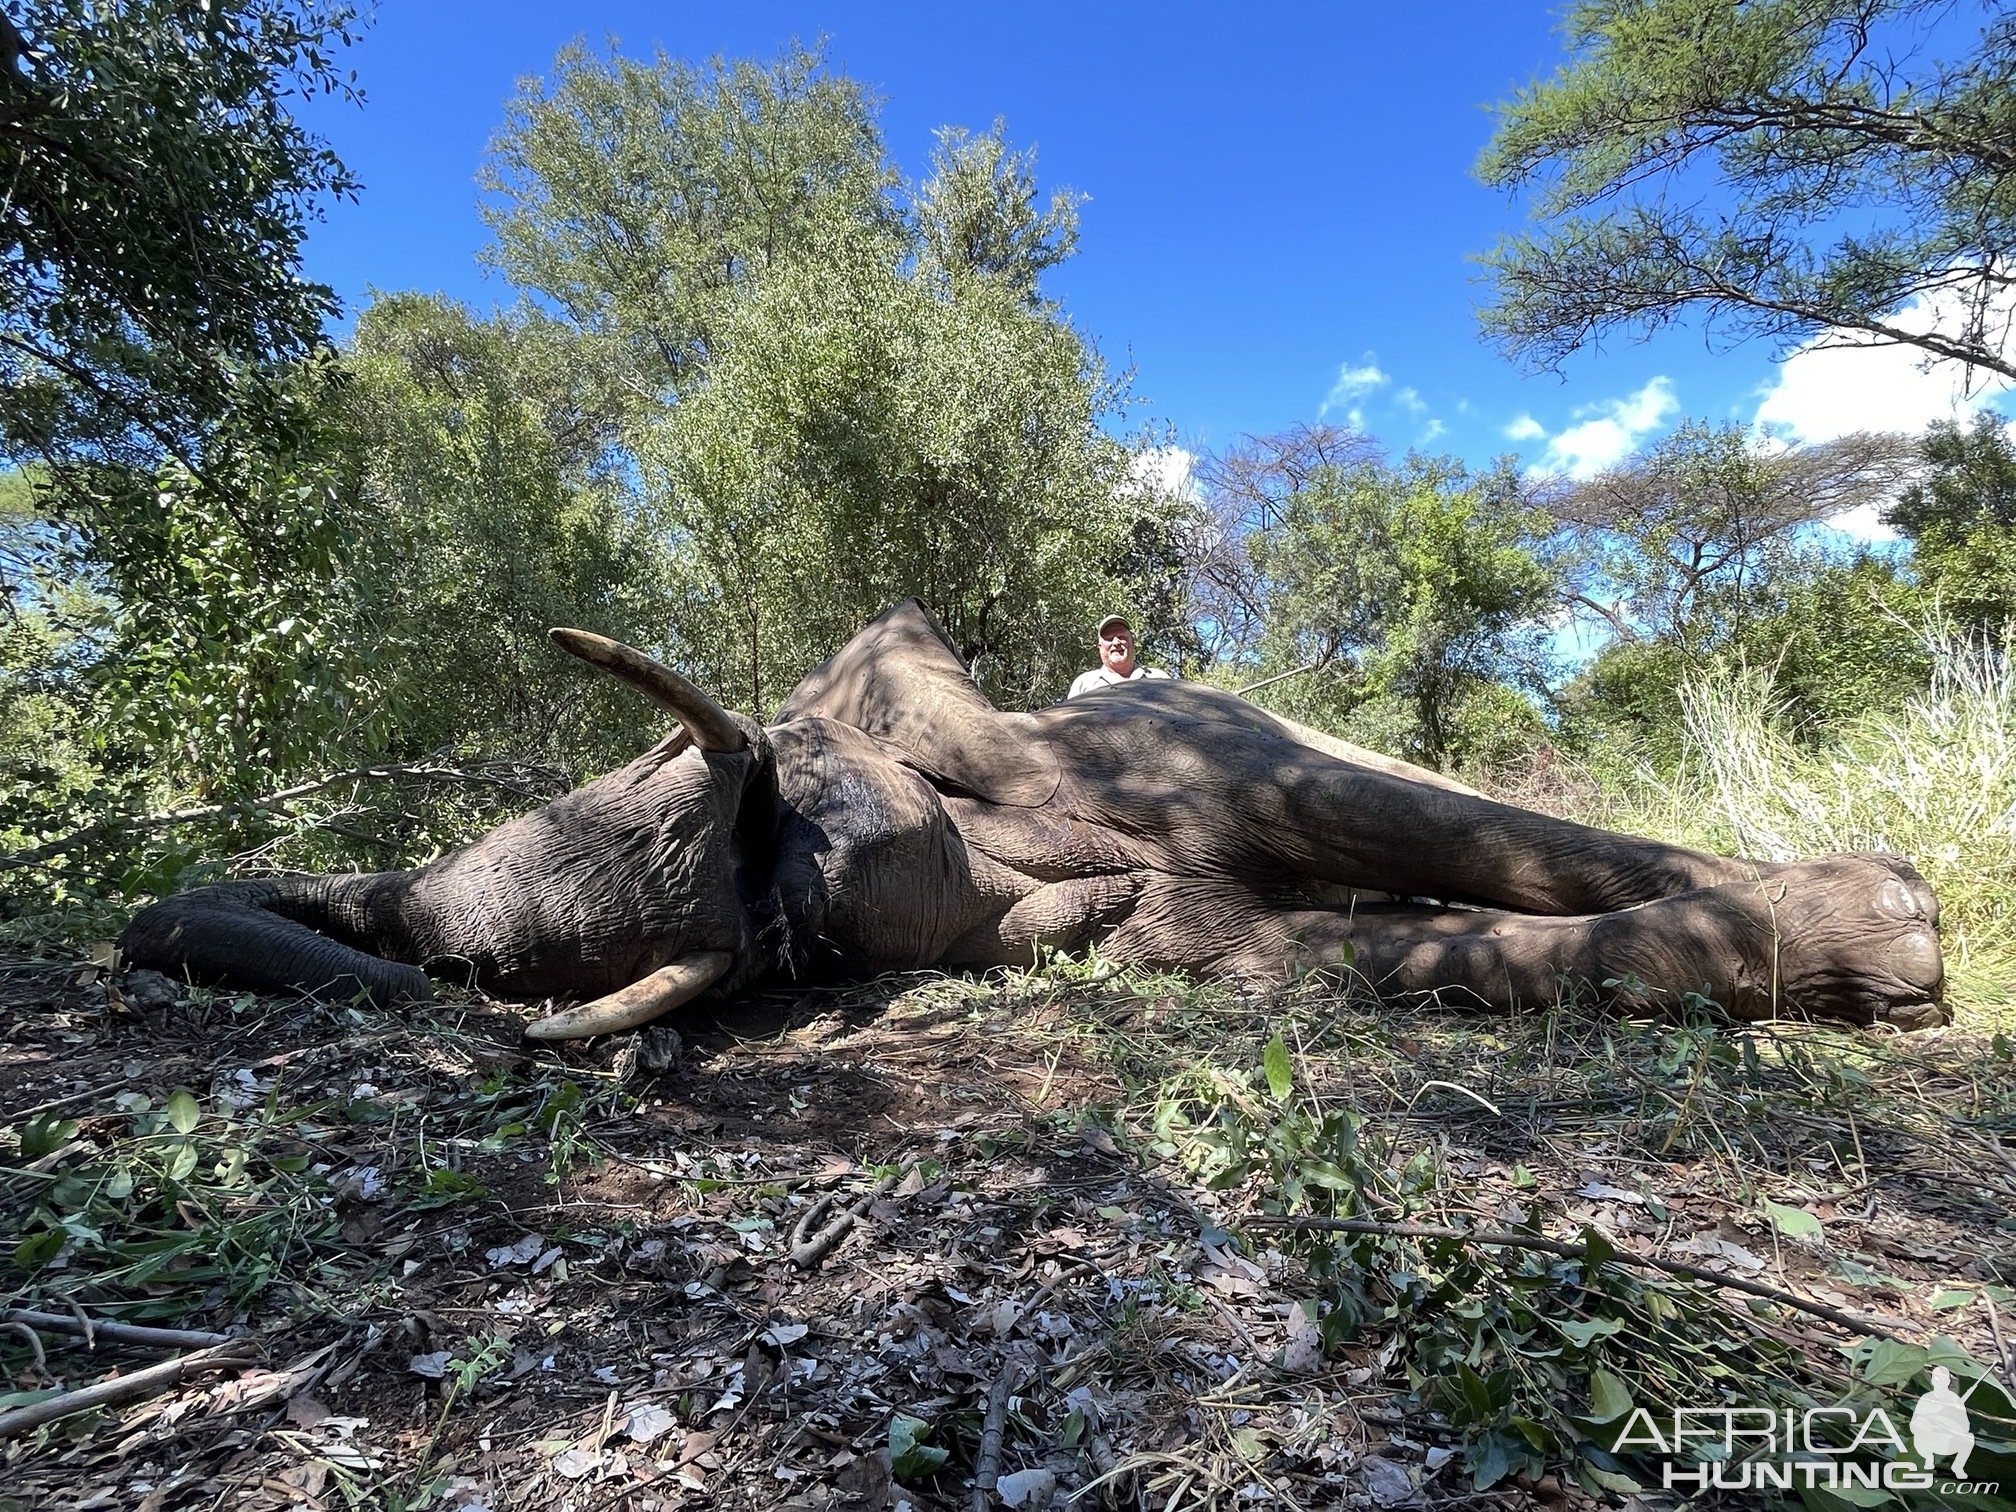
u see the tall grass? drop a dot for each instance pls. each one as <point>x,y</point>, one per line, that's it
<point>1933,779</point>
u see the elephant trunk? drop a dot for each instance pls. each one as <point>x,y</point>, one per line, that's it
<point>280,934</point>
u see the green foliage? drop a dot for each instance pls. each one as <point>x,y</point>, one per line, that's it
<point>1783,167</point>
<point>1414,594</point>
<point>1536,1359</point>
<point>866,432</point>
<point>637,196</point>
<point>976,214</point>
<point>1678,542</point>
<point>1961,519</point>
<point>1701,552</point>
<point>181,1202</point>
<point>486,451</point>
<point>1834,637</point>
<point>237,650</point>
<point>833,395</point>
<point>157,192</point>
<point>910,1456</point>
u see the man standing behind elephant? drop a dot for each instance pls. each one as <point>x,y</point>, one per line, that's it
<point>1116,659</point>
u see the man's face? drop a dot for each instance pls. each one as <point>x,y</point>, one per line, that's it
<point>1116,650</point>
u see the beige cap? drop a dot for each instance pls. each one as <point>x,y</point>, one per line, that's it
<point>1115,619</point>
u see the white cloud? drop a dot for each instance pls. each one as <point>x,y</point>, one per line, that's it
<point>1604,434</point>
<point>1167,470</point>
<point>1430,432</point>
<point>1353,383</point>
<point>1410,400</point>
<point>1525,428</point>
<point>1844,381</point>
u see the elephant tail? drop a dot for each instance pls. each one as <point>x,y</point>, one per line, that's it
<point>279,934</point>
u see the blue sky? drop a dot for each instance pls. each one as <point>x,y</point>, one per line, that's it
<point>1279,222</point>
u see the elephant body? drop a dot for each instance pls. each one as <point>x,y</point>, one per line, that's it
<point>891,818</point>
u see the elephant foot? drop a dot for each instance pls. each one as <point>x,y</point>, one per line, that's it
<point>1856,939</point>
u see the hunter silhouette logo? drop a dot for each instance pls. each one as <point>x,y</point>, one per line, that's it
<point>1834,1448</point>
<point>1939,1423</point>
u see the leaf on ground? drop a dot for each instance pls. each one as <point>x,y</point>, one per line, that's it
<point>1280,1071</point>
<point>523,1252</point>
<point>1303,1354</point>
<point>909,1455</point>
<point>1794,1223</point>
<point>1026,1488</point>
<point>648,1422</point>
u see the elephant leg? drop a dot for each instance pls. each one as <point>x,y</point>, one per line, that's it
<point>1844,939</point>
<point>1230,801</point>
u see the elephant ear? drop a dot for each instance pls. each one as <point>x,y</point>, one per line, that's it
<point>901,681</point>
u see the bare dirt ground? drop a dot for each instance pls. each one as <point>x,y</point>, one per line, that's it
<point>865,1249</point>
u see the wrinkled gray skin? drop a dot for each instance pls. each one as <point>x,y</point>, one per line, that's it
<point>891,818</point>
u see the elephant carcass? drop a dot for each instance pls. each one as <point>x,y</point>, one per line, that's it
<point>891,818</point>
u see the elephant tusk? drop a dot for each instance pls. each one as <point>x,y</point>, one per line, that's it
<point>640,1002</point>
<point>710,725</point>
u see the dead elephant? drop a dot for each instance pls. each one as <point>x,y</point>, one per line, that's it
<point>892,818</point>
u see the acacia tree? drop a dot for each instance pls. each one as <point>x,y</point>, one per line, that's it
<point>1676,542</point>
<point>1700,551</point>
<point>1788,168</point>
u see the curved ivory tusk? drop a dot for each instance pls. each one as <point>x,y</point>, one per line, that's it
<point>705,720</point>
<point>640,1002</point>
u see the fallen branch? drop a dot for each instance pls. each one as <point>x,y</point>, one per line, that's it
<point>987,1462</point>
<point>808,1248</point>
<point>525,779</point>
<point>93,1329</point>
<point>1852,1321</point>
<point>1268,682</point>
<point>123,1388</point>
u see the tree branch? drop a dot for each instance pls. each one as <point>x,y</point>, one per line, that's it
<point>1568,1251</point>
<point>514,778</point>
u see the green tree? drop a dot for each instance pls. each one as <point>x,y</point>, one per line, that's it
<point>867,432</point>
<point>835,389</point>
<point>1961,519</point>
<point>486,458</point>
<point>1784,167</point>
<point>637,196</point>
<point>1701,551</point>
<point>1836,634</point>
<point>976,214</point>
<point>1414,596</point>
<point>154,191</point>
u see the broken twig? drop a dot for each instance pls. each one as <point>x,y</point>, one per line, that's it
<point>93,1329</point>
<point>123,1388</point>
<point>987,1462</point>
<point>809,1248</point>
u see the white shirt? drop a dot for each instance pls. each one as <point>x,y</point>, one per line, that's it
<point>1106,677</point>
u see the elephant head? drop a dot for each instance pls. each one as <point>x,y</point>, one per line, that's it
<point>646,887</point>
